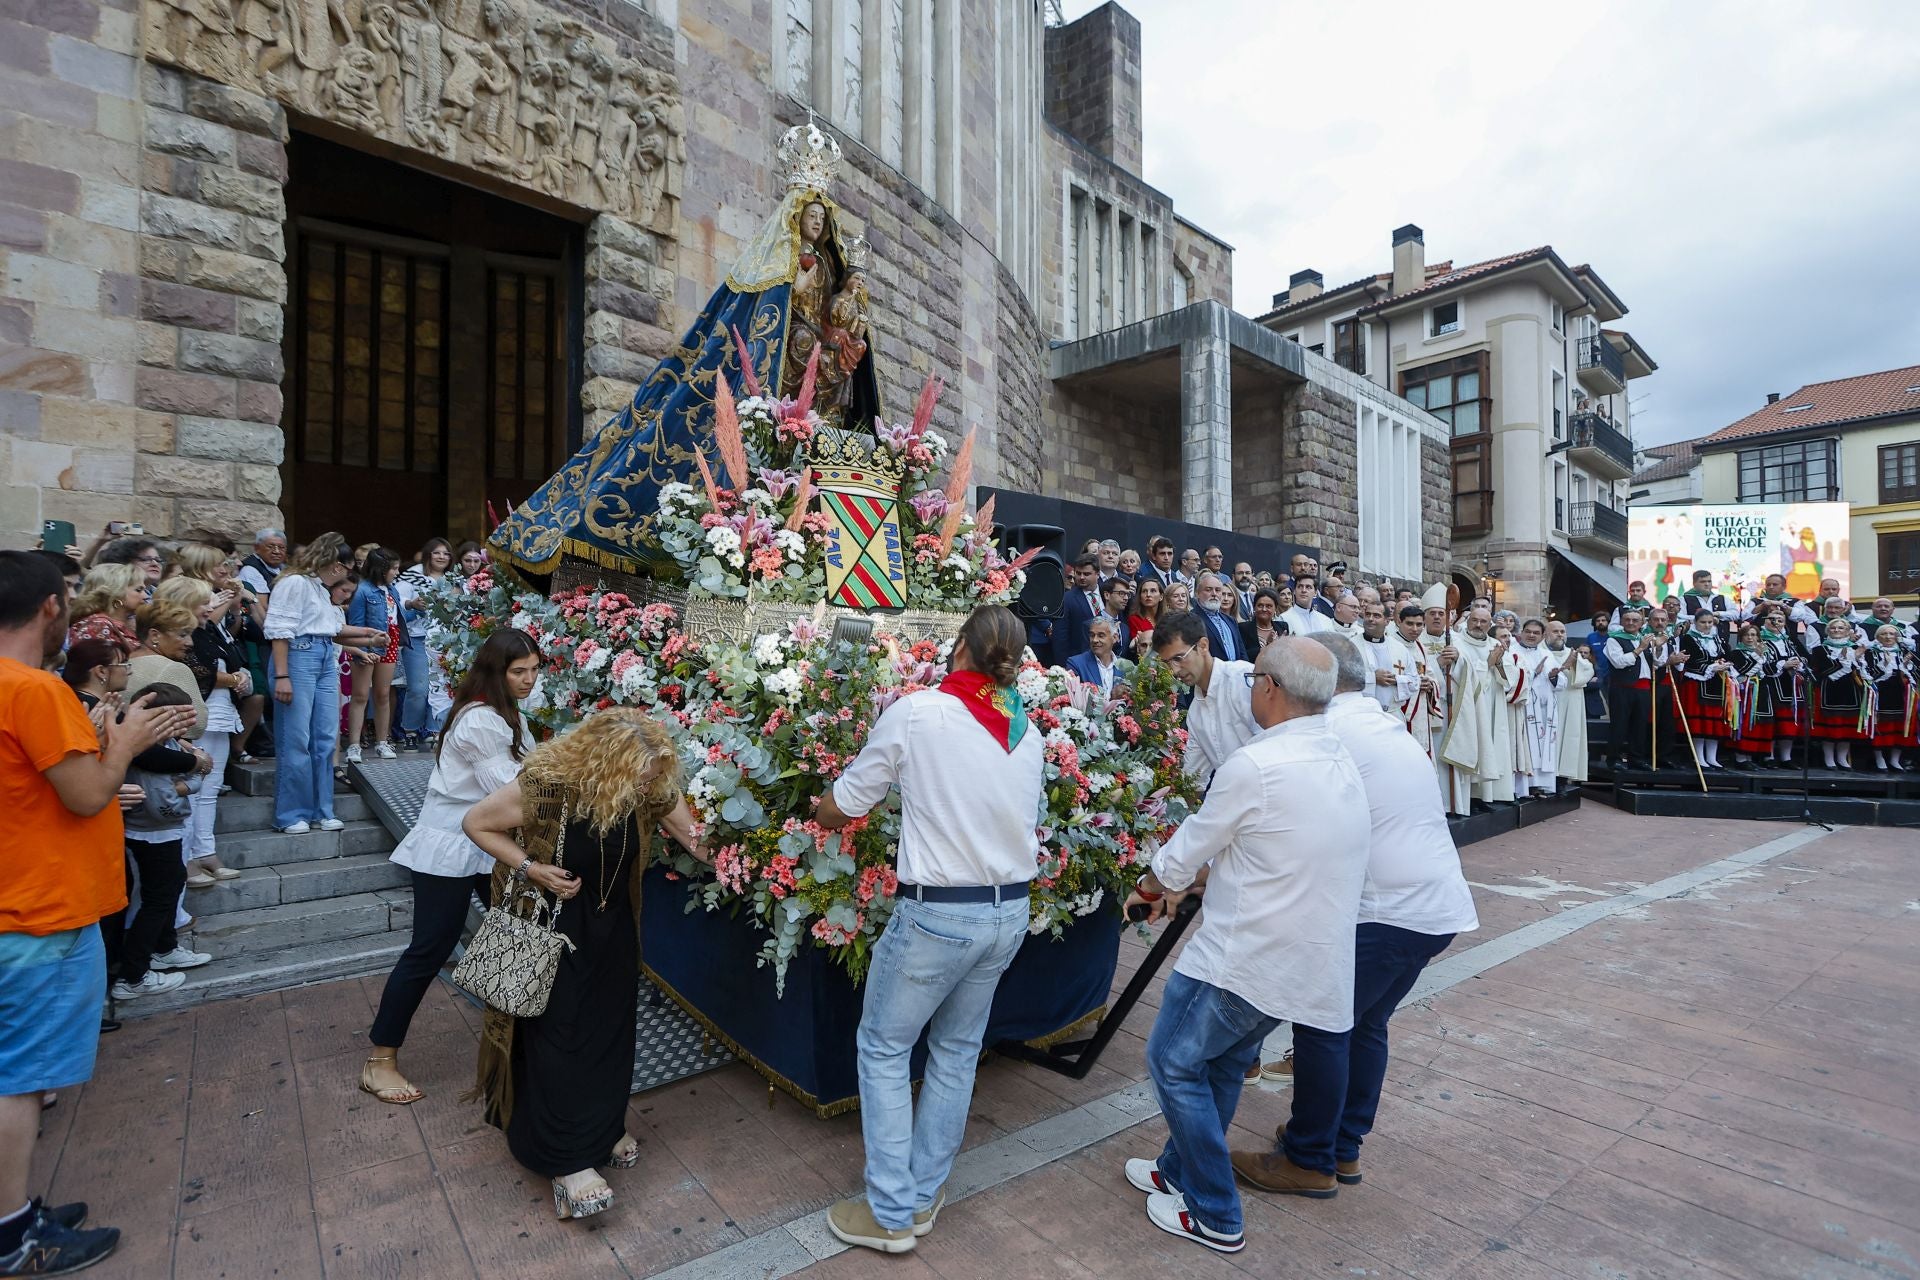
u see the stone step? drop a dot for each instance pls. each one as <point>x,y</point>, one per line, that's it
<point>257,779</point>
<point>249,973</point>
<point>308,881</point>
<point>241,812</point>
<point>275,848</point>
<point>260,930</point>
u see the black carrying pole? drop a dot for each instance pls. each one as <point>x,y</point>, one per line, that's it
<point>1806,760</point>
<point>1075,1058</point>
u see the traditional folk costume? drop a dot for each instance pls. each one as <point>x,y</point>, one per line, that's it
<point>1630,676</point>
<point>1842,711</point>
<point>1789,688</point>
<point>1695,601</point>
<point>1891,671</point>
<point>1752,700</point>
<point>1498,695</point>
<point>1570,681</point>
<point>1537,730</point>
<point>1707,697</point>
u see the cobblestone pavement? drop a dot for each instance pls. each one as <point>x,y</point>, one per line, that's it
<point>1709,1083</point>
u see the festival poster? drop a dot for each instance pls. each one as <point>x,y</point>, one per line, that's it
<point>1741,544</point>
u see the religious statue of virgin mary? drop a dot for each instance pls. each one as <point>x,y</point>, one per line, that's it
<point>797,293</point>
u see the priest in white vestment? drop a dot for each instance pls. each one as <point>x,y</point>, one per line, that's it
<point>1496,689</point>
<point>1400,676</point>
<point>1570,701</point>
<point>1454,707</point>
<point>1538,723</point>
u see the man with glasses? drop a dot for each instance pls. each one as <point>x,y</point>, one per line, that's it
<point>1220,719</point>
<point>269,556</point>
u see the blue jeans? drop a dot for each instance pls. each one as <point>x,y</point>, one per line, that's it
<point>414,715</point>
<point>1198,1054</point>
<point>304,733</point>
<point>935,967</point>
<point>1337,1075</point>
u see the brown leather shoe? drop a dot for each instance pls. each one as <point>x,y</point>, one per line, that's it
<point>1274,1172</point>
<point>1347,1171</point>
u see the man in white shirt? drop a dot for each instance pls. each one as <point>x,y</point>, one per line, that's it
<point>1220,718</point>
<point>970,776</point>
<point>1414,901</point>
<point>1302,618</point>
<point>1570,678</point>
<point>1274,943</point>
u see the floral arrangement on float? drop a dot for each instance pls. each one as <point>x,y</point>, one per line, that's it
<point>765,729</point>
<point>759,536</point>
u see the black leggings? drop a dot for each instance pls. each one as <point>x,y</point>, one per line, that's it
<point>162,877</point>
<point>439,914</point>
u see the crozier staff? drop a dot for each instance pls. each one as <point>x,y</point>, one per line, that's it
<point>970,777</point>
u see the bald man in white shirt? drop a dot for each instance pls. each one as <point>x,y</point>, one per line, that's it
<point>1274,943</point>
<point>1414,902</point>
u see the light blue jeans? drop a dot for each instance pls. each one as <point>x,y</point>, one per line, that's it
<point>414,714</point>
<point>935,967</point>
<point>1198,1054</point>
<point>304,733</point>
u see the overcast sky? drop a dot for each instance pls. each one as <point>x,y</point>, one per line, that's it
<point>1745,176</point>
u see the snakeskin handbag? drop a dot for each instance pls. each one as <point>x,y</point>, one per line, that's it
<point>514,958</point>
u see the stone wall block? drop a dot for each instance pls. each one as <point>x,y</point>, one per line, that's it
<point>202,352</point>
<point>90,424</point>
<point>238,520</point>
<point>99,471</point>
<point>160,259</point>
<point>247,112</point>
<point>242,192</point>
<point>175,134</point>
<point>234,273</point>
<point>230,440</point>
<point>159,345</point>
<point>623,236</point>
<point>191,393</point>
<point>252,483</point>
<point>52,372</point>
<point>263,238</point>
<point>183,477</point>
<point>258,402</point>
<point>615,362</point>
<point>602,396</point>
<point>266,157</point>
<point>604,263</point>
<point>621,300</point>
<point>163,87</point>
<point>262,321</point>
<point>190,308</point>
<point>153,432</point>
<point>177,219</point>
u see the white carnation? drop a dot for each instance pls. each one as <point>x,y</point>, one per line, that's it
<point>599,659</point>
<point>790,542</point>
<point>783,684</point>
<point>1099,782</point>
<point>1032,686</point>
<point>723,540</point>
<point>768,651</point>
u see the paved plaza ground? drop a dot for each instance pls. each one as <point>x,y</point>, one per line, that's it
<point>1674,1049</point>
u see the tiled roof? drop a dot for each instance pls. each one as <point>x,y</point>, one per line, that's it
<point>1384,280</point>
<point>1463,274</point>
<point>1871,395</point>
<point>1671,461</point>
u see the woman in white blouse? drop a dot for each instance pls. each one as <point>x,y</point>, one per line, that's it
<point>479,752</point>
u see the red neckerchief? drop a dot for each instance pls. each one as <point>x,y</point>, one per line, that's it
<point>998,710</point>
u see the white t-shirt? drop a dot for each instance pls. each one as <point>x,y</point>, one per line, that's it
<point>1219,719</point>
<point>476,759</point>
<point>1413,869</point>
<point>301,606</point>
<point>969,809</point>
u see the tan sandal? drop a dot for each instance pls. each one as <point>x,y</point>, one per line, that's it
<point>397,1095</point>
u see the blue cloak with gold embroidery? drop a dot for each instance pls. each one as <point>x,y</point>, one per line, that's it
<point>600,506</point>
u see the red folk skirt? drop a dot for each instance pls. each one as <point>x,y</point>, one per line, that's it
<point>1890,726</point>
<point>1836,723</point>
<point>1704,703</point>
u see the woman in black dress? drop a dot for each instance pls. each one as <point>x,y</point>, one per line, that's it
<point>586,805</point>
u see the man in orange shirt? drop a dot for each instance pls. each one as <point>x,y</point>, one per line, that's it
<point>63,870</point>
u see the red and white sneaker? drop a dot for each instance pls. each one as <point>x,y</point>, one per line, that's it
<point>1169,1213</point>
<point>1145,1176</point>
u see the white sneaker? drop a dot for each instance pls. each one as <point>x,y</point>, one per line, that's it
<point>151,985</point>
<point>299,828</point>
<point>1169,1213</point>
<point>385,751</point>
<point>332,824</point>
<point>181,958</point>
<point>353,754</point>
<point>1145,1176</point>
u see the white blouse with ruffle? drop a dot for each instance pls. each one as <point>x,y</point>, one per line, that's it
<point>476,759</point>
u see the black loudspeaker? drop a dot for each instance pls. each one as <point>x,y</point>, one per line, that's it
<point>1045,594</point>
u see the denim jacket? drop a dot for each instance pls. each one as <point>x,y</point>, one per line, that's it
<point>370,606</point>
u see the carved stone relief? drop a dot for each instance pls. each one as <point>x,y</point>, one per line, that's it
<point>500,85</point>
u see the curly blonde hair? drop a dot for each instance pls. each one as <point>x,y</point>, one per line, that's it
<point>188,593</point>
<point>612,763</point>
<point>103,588</point>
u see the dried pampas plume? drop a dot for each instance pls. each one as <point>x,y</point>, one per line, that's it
<point>957,481</point>
<point>727,438</point>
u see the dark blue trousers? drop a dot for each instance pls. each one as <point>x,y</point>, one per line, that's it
<point>1337,1074</point>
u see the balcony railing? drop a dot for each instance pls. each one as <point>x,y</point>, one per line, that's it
<point>1597,353</point>
<point>1593,432</point>
<point>1352,359</point>
<point>1597,523</point>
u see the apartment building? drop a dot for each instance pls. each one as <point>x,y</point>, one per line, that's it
<point>1522,357</point>
<point>1854,440</point>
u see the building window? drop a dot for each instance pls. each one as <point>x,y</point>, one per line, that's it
<point>1388,474</point>
<point>1559,406</point>
<point>1804,471</point>
<point>1453,391</point>
<point>1560,496</point>
<point>1350,345</point>
<point>1900,564</point>
<point>1443,319</point>
<point>1900,473</point>
<point>1557,315</point>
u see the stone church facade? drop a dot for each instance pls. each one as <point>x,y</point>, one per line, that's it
<point>332,263</point>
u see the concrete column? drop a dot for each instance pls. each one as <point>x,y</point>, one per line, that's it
<point>1206,424</point>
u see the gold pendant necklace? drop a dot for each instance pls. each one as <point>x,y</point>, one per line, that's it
<point>606,889</point>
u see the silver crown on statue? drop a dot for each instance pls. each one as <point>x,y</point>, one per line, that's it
<point>809,156</point>
<point>858,253</point>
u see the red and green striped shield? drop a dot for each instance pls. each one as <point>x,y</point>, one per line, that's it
<point>865,567</point>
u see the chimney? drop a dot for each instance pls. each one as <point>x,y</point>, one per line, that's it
<point>1409,258</point>
<point>1302,285</point>
<point>1773,397</point>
